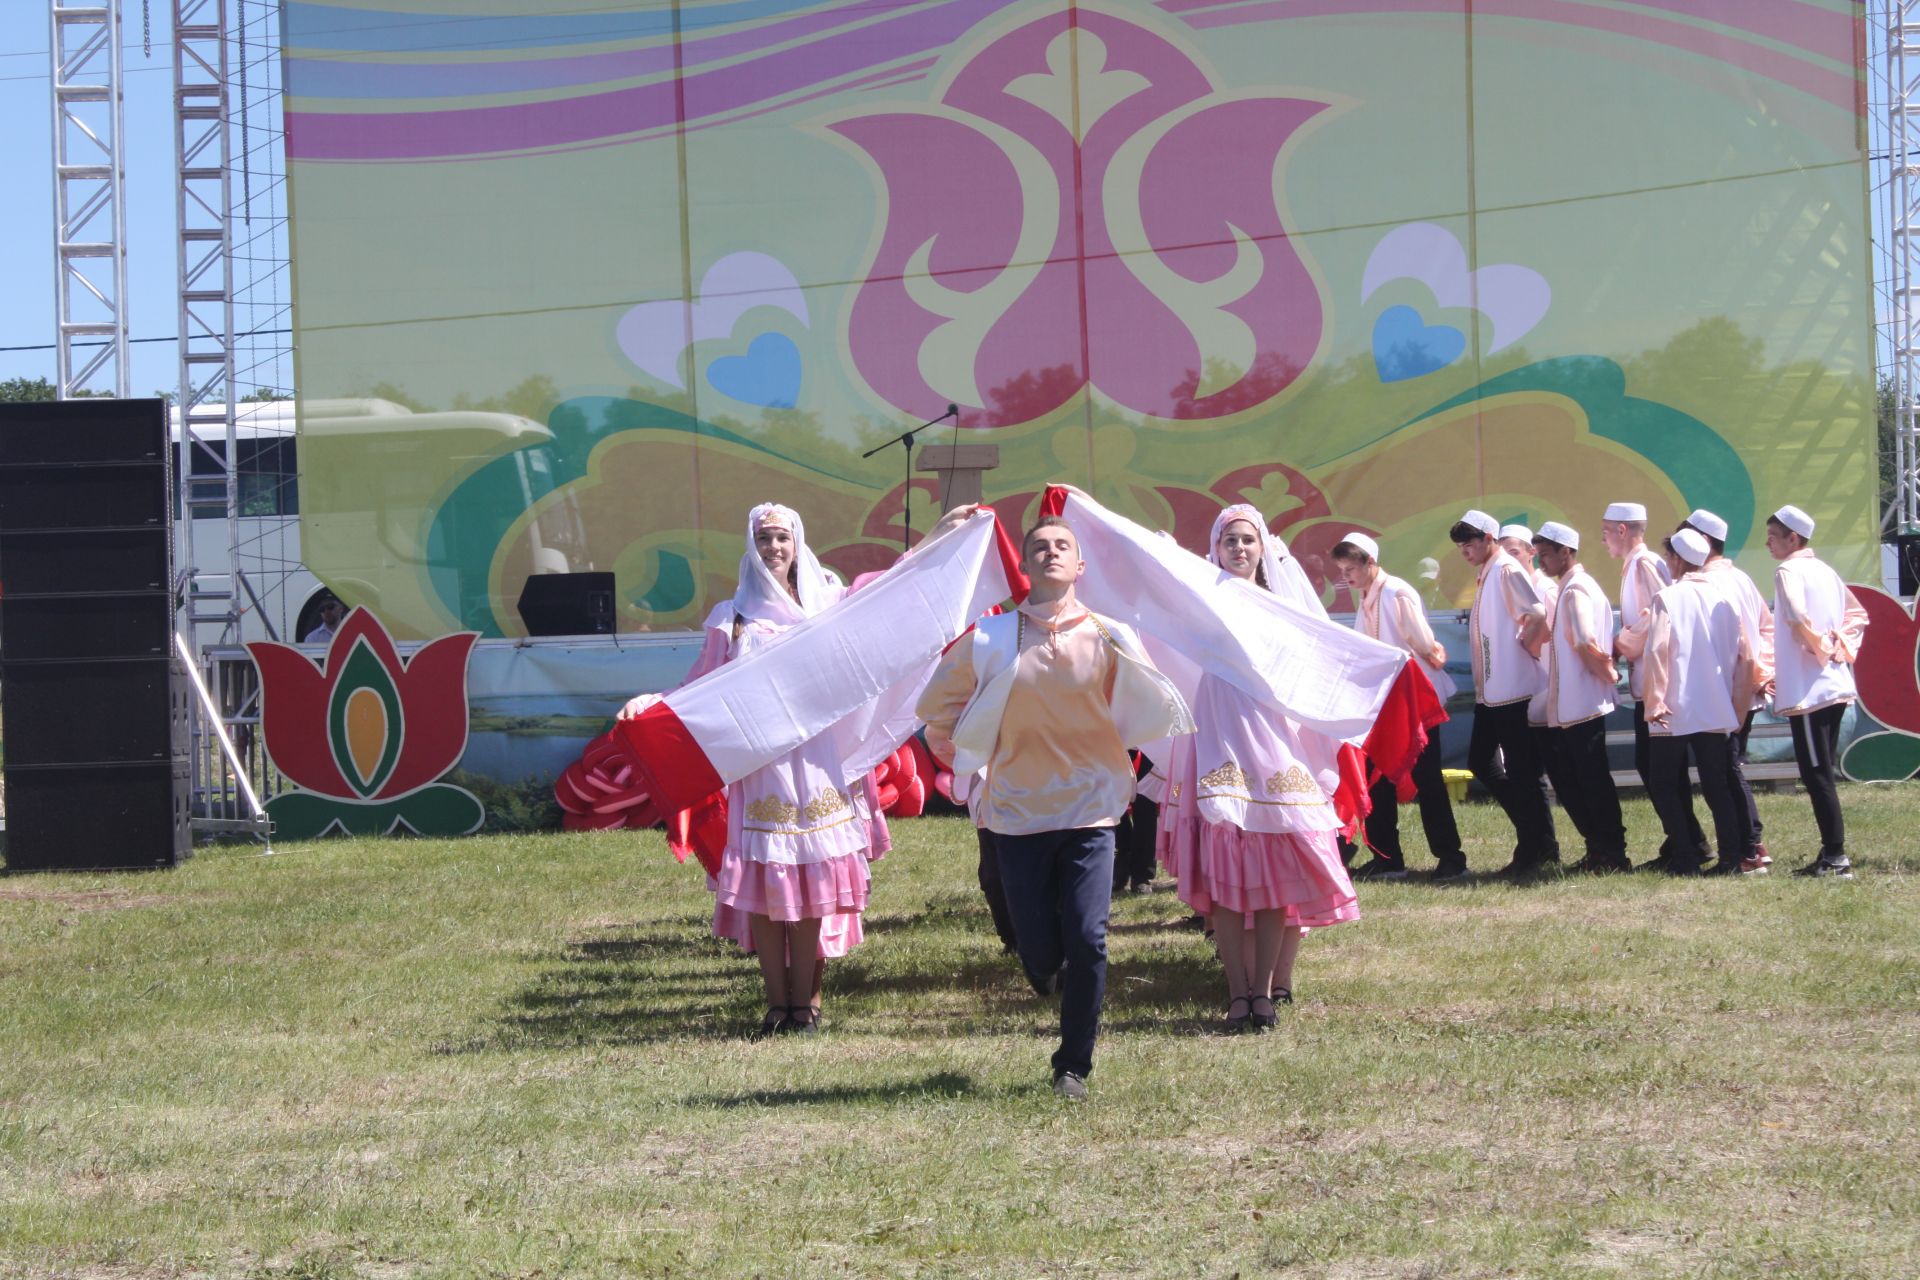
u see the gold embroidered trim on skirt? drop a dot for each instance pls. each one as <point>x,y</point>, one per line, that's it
<point>825,805</point>
<point>1294,782</point>
<point>1226,776</point>
<point>784,818</point>
<point>773,809</point>
<point>1230,780</point>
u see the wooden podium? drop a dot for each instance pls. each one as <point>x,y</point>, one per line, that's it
<point>959,467</point>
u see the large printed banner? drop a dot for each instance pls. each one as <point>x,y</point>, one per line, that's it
<point>575,288</point>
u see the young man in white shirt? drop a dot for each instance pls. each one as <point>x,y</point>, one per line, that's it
<point>1699,676</point>
<point>1756,618</point>
<point>1818,627</point>
<point>1643,575</point>
<point>1578,698</point>
<point>1503,631</point>
<point>1390,609</point>
<point>1030,697</point>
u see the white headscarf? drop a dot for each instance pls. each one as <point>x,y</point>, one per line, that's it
<point>761,597</point>
<point>1285,578</point>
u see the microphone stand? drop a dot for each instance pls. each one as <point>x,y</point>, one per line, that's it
<point>905,438</point>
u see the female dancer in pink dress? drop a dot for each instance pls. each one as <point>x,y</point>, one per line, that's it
<point>793,879</point>
<point>1248,827</point>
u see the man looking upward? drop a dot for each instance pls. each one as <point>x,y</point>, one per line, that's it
<point>1037,699</point>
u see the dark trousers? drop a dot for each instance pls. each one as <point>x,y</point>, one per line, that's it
<point>1713,756</point>
<point>1515,778</point>
<point>1740,782</point>
<point>1436,810</point>
<point>1547,752</point>
<point>1816,742</point>
<point>1059,888</point>
<point>1586,790</point>
<point>996,893</point>
<point>1695,838</point>
<point>1133,844</point>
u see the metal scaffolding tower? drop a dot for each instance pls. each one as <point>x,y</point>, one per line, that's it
<point>202,204</point>
<point>89,198</point>
<point>1895,90</point>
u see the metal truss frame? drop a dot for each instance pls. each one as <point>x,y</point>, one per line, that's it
<point>1895,92</point>
<point>89,198</point>
<point>203,163</point>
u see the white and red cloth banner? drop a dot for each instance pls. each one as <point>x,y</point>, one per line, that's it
<point>854,670</point>
<point>857,669</point>
<point>1327,677</point>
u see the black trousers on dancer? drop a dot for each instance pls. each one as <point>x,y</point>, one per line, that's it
<point>1741,784</point>
<point>1060,889</point>
<point>1816,741</point>
<point>1436,812</point>
<point>1133,844</point>
<point>1519,784</point>
<point>1547,751</point>
<point>1695,837</point>
<point>1588,794</point>
<point>1713,756</point>
<point>996,893</point>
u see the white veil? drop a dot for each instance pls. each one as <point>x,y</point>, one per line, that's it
<point>1285,578</point>
<point>761,597</point>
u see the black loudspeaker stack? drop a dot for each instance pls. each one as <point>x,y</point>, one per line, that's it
<point>93,703</point>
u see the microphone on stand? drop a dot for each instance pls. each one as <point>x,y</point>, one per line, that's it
<point>905,438</point>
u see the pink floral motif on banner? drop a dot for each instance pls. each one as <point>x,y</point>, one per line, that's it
<point>1082,206</point>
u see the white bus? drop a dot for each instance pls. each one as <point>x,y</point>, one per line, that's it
<point>277,596</point>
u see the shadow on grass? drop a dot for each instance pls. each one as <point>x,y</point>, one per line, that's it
<point>941,1084</point>
<point>671,980</point>
<point>627,988</point>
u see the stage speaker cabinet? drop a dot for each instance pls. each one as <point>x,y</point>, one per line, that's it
<point>1906,553</point>
<point>91,693</point>
<point>567,604</point>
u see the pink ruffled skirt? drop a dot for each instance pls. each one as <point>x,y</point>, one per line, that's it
<point>1299,873</point>
<point>833,892</point>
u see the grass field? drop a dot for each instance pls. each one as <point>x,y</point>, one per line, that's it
<point>521,1056</point>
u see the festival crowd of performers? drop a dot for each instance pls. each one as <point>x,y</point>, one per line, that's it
<point>1136,701</point>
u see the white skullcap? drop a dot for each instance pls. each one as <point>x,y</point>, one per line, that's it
<point>1428,568</point>
<point>1691,547</point>
<point>1362,542</point>
<point>1708,523</point>
<point>1554,531</point>
<point>1628,511</point>
<point>1483,522</point>
<point>1795,519</point>
<point>1519,531</point>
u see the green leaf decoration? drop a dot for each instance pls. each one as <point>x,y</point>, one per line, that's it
<point>1881,757</point>
<point>363,670</point>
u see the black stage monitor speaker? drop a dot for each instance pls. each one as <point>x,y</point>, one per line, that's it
<point>1906,551</point>
<point>568,604</point>
<point>92,702</point>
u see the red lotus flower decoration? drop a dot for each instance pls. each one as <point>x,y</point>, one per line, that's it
<point>1887,673</point>
<point>366,735</point>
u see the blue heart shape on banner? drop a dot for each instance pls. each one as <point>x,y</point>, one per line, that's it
<point>1405,346</point>
<point>768,374</point>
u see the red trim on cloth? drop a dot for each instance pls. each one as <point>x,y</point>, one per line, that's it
<point>668,758</point>
<point>1017,584</point>
<point>1352,801</point>
<point>1399,732</point>
<point>700,831</point>
<point>1054,500</point>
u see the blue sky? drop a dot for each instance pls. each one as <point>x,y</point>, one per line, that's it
<point>26,217</point>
